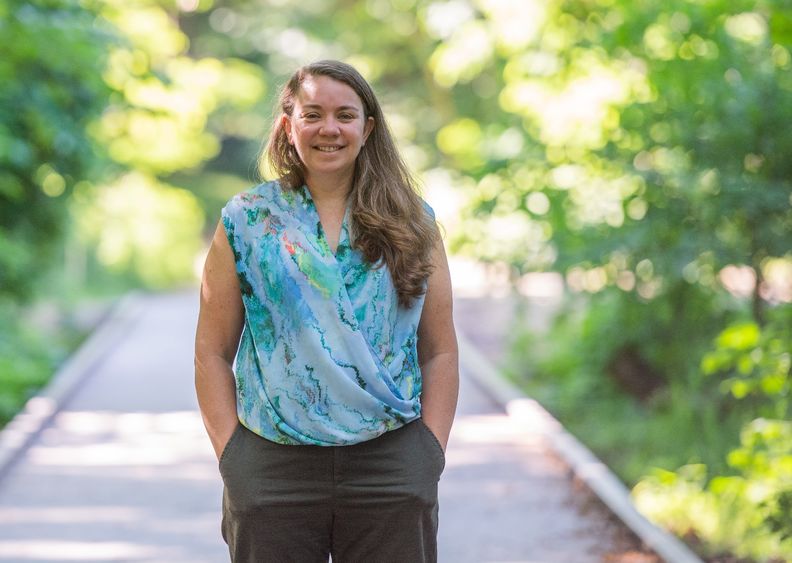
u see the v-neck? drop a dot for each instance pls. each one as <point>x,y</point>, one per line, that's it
<point>343,235</point>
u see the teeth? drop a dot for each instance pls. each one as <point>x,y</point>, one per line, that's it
<point>328,149</point>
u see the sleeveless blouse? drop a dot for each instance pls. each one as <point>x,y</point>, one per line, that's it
<point>327,355</point>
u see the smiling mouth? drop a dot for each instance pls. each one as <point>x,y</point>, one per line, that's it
<point>332,148</point>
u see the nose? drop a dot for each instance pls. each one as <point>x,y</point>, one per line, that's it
<point>329,127</point>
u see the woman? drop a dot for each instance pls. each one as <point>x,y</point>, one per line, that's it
<point>331,287</point>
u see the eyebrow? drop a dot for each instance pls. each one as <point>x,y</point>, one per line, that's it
<point>340,108</point>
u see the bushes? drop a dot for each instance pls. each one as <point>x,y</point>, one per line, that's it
<point>26,363</point>
<point>709,449</point>
<point>747,514</point>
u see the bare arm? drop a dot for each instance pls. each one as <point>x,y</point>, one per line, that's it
<point>220,321</point>
<point>437,351</point>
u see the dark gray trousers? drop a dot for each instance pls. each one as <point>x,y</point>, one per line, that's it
<point>375,501</point>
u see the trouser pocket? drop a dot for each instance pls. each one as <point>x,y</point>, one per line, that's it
<point>228,446</point>
<point>435,443</point>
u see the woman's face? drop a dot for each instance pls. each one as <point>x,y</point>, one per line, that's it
<point>327,127</point>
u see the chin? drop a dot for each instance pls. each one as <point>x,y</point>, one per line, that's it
<point>322,168</point>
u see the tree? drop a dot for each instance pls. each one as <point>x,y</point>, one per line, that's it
<point>51,62</point>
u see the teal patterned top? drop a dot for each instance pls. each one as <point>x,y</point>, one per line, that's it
<point>327,355</point>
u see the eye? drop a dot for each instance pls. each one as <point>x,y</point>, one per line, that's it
<point>310,116</point>
<point>346,117</point>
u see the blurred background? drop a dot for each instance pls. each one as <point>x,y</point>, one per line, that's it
<point>626,166</point>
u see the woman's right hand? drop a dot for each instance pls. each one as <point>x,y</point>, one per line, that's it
<point>221,438</point>
<point>221,319</point>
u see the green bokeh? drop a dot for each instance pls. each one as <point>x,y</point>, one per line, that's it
<point>639,149</point>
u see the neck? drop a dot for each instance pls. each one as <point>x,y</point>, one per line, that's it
<point>329,189</point>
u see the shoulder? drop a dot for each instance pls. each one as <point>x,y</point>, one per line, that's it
<point>260,196</point>
<point>257,195</point>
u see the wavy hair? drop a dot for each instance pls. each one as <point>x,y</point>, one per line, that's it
<point>387,217</point>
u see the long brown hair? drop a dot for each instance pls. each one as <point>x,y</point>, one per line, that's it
<point>387,217</point>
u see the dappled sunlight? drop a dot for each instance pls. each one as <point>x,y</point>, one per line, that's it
<point>462,56</point>
<point>503,493</point>
<point>778,279</point>
<point>155,139</point>
<point>541,285</point>
<point>69,515</point>
<point>517,441</point>
<point>115,486</point>
<point>460,137</point>
<point>659,41</point>
<point>623,164</point>
<point>106,439</point>
<point>141,224</point>
<point>597,193</point>
<point>443,194</point>
<point>147,26</point>
<point>515,24</point>
<point>488,430</point>
<point>471,278</point>
<point>739,280</point>
<point>40,549</point>
<point>750,27</point>
<point>580,114</point>
<point>51,182</point>
<point>776,286</point>
<point>442,18</point>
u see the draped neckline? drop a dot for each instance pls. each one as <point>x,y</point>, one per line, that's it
<point>328,357</point>
<point>319,231</point>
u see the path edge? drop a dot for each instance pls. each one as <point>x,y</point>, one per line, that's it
<point>528,413</point>
<point>40,409</point>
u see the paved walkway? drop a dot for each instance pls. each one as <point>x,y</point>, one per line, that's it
<point>125,471</point>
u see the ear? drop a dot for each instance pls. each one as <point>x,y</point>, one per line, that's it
<point>286,124</point>
<point>368,128</point>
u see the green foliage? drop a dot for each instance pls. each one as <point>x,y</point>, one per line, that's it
<point>165,119</point>
<point>664,162</point>
<point>651,130</point>
<point>29,354</point>
<point>753,365</point>
<point>98,102</point>
<point>681,417</point>
<point>747,514</point>
<point>211,190</point>
<point>728,497</point>
<point>89,91</point>
<point>678,448</point>
<point>638,148</point>
<point>755,362</point>
<point>23,369</point>
<point>141,226</point>
<point>51,61</point>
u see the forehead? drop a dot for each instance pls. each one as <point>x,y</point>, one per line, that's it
<point>328,93</point>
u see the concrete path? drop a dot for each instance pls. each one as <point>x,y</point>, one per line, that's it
<point>125,472</point>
